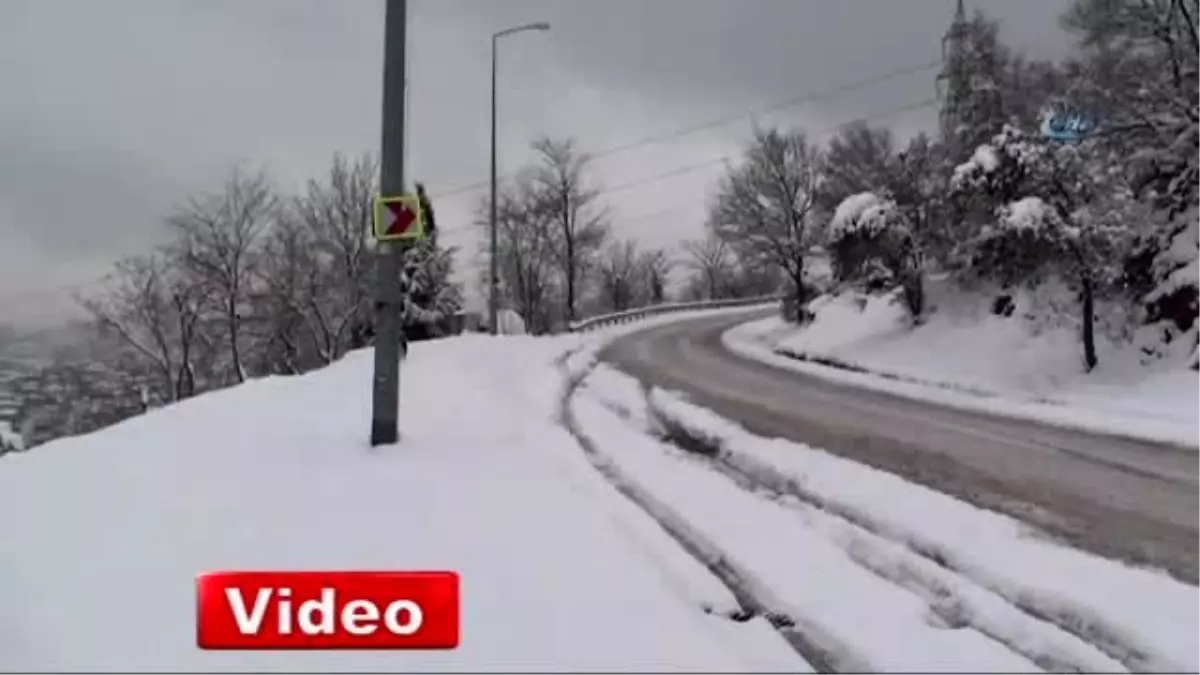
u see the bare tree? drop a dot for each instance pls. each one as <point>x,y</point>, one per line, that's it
<point>527,255</point>
<point>581,223</point>
<point>1161,34</point>
<point>619,272</point>
<point>653,268</point>
<point>711,261</point>
<point>216,243</point>
<point>319,268</point>
<point>859,159</point>
<point>156,314</point>
<point>765,207</point>
<point>295,333</point>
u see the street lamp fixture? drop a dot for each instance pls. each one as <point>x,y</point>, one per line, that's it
<point>493,280</point>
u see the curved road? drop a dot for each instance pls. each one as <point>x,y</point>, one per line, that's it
<point>1122,498</point>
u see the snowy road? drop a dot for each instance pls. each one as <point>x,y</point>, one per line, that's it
<point>1122,498</point>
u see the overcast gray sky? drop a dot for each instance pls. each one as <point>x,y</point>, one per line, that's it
<point>112,111</point>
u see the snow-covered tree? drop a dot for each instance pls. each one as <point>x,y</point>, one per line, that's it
<point>889,210</point>
<point>1137,71</point>
<point>919,187</point>
<point>1030,89</point>
<point>432,294</point>
<point>1171,303</point>
<point>1055,211</point>
<point>1145,49</point>
<point>766,206</point>
<point>315,284</point>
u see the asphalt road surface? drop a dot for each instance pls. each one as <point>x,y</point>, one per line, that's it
<point>1127,499</point>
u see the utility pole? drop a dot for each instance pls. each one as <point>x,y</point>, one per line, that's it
<point>494,281</point>
<point>389,258</point>
<point>494,248</point>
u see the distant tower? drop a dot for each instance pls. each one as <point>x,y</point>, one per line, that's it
<point>954,80</point>
<point>955,31</point>
<point>971,106</point>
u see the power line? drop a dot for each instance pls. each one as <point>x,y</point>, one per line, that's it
<point>704,164</point>
<point>692,168</point>
<point>659,213</point>
<point>774,107</point>
<point>621,187</point>
<point>809,97</point>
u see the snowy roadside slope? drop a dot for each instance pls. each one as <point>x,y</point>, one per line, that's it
<point>985,363</point>
<point>103,534</point>
<point>877,561</point>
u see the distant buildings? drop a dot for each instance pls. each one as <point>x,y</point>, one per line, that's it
<point>64,398</point>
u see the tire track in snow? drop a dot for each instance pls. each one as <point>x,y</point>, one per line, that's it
<point>869,615</point>
<point>930,569</point>
<point>824,652</point>
<point>955,601</point>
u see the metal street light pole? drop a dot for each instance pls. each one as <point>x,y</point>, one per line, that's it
<point>385,390</point>
<point>494,282</point>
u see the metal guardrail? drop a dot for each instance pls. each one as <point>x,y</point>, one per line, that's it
<point>666,308</point>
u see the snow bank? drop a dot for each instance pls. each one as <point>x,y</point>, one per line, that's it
<point>964,356</point>
<point>103,534</point>
<point>846,320</point>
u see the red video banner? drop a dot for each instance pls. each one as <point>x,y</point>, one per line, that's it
<point>327,610</point>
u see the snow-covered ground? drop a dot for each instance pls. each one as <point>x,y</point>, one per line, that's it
<point>102,535</point>
<point>885,574</point>
<point>966,357</point>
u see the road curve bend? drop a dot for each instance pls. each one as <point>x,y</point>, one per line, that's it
<point>1122,498</point>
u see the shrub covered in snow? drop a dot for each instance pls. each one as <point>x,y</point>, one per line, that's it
<point>848,215</point>
<point>871,243</point>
